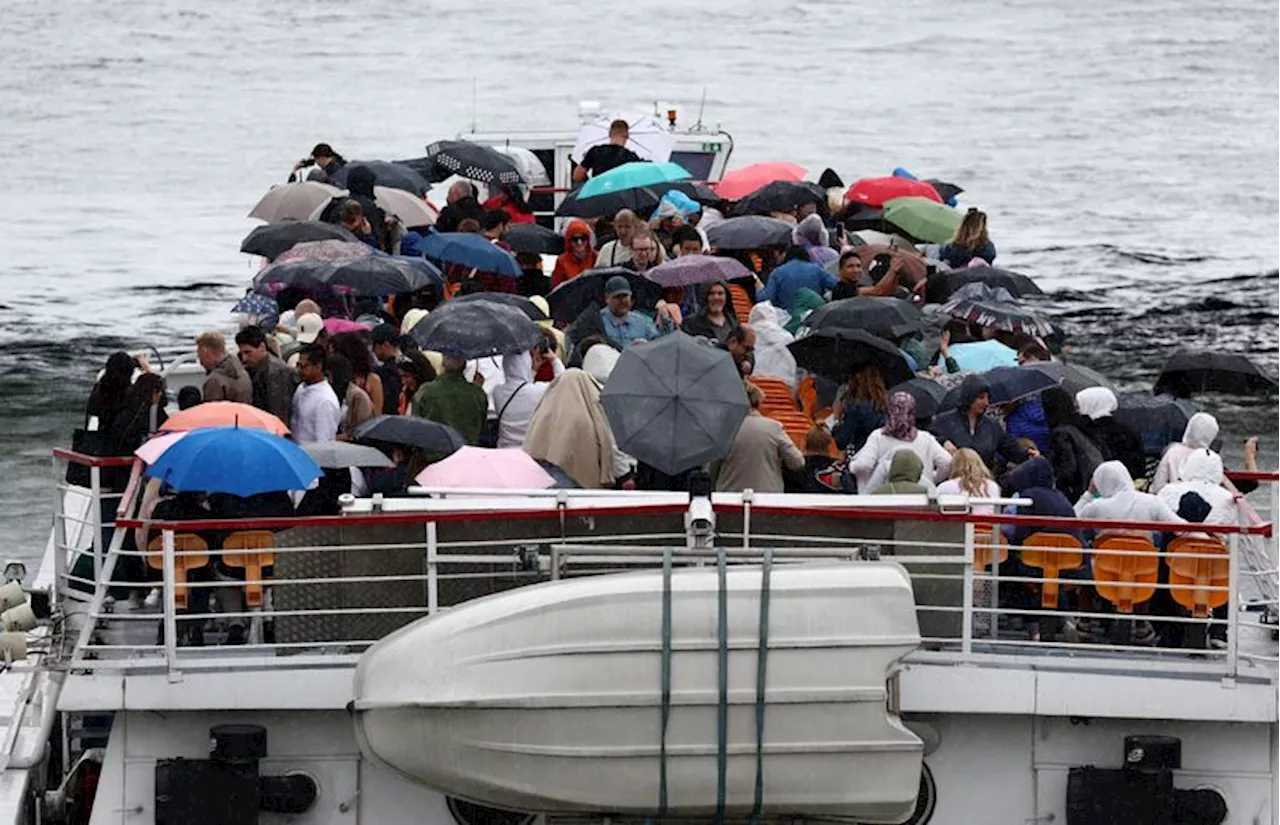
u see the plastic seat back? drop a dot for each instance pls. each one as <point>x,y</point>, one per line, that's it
<point>1196,575</point>
<point>741,302</point>
<point>1128,577</point>
<point>183,544</point>
<point>1051,553</point>
<point>807,395</point>
<point>263,541</point>
<point>986,540</point>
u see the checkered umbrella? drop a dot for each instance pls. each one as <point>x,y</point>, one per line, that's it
<point>473,161</point>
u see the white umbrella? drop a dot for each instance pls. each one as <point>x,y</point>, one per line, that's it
<point>646,137</point>
<point>342,454</point>
<point>531,169</point>
<point>294,201</point>
<point>408,207</point>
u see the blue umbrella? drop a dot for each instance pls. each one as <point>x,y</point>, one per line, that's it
<point>237,460</point>
<point>469,249</point>
<point>632,176</point>
<point>255,304</point>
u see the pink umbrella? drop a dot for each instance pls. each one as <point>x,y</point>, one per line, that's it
<point>476,467</point>
<point>330,250</point>
<point>334,326</point>
<point>157,444</point>
<point>742,182</point>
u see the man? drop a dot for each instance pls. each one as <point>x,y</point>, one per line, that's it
<point>645,252</point>
<point>618,251</point>
<point>1033,353</point>
<point>351,218</point>
<point>790,278</point>
<point>686,241</point>
<point>273,381</point>
<point>453,400</point>
<point>741,344</point>
<point>386,348</point>
<point>460,204</point>
<point>606,156</point>
<point>849,273</point>
<point>760,451</point>
<point>620,324</point>
<point>316,411</point>
<point>495,224</point>
<point>227,379</point>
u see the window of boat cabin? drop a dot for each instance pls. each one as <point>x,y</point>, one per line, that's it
<point>698,164</point>
<point>543,204</point>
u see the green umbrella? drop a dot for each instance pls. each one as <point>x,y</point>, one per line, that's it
<point>632,176</point>
<point>923,219</point>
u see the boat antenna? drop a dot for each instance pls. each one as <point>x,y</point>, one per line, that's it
<point>697,127</point>
<point>475,87</point>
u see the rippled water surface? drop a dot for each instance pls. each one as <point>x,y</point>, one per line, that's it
<point>1127,153</point>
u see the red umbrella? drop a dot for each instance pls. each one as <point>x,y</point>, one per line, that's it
<point>742,182</point>
<point>875,191</point>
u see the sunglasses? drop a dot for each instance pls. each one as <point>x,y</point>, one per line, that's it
<point>579,239</point>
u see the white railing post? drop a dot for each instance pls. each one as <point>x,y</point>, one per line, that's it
<point>433,570</point>
<point>994,550</point>
<point>1233,604</point>
<point>59,536</point>
<point>95,518</point>
<point>747,497</point>
<point>966,615</point>
<point>170,605</point>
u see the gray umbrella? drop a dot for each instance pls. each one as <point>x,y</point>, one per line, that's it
<point>675,403</point>
<point>342,454</point>
<point>1074,377</point>
<point>476,329</point>
<point>749,232</point>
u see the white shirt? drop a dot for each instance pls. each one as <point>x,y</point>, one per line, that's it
<point>515,403</point>
<point>316,413</point>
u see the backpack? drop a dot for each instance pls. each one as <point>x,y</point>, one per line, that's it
<point>1089,449</point>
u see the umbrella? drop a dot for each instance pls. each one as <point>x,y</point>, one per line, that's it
<point>337,326</point>
<point>476,329</point>
<point>234,460</point>
<point>989,306</point>
<point>749,232</point>
<point>879,191</point>
<point>1158,421</point>
<point>675,403</point>
<point>568,300</point>
<point>387,173</point>
<point>691,270</point>
<point>742,182</point>
<point>294,201</point>
<point>946,191</point>
<point>889,318</point>
<point>779,196</point>
<point>408,431</point>
<point>641,201</point>
<point>835,351</point>
<point>928,395</point>
<point>924,219</point>
<point>155,446</point>
<point>529,308</point>
<point>981,356</point>
<point>534,239</point>
<point>471,250</point>
<point>526,162</point>
<point>632,176</point>
<point>503,469</point>
<point>337,455</point>
<point>1187,372</point>
<point>374,276</point>
<point>325,251</point>
<point>1073,377</point>
<point>1008,384</point>
<point>645,136</point>
<point>857,216</point>
<point>561,480</point>
<point>1016,283</point>
<point>472,160</point>
<point>700,192</point>
<point>912,265</point>
<point>408,207</point>
<point>224,414</point>
<point>255,304</point>
<point>271,240</point>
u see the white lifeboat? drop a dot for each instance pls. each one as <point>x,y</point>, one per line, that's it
<point>548,698</point>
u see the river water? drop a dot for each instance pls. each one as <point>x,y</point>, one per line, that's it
<point>1126,153</point>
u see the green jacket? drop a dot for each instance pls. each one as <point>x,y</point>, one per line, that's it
<point>455,401</point>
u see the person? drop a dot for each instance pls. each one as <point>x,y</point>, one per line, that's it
<point>686,241</point>
<point>617,252</point>
<point>605,156</point>
<point>353,347</point>
<point>510,199</point>
<point>869,465</point>
<point>970,477</point>
<point>110,394</point>
<point>1033,352</point>
<point>1118,441</point>
<point>413,370</point>
<point>969,426</point>
<point>188,397</point>
<point>142,415</point>
<point>356,406</point>
<point>849,275</point>
<point>811,234</point>
<point>578,256</point>
<point>272,380</point>
<point>623,326</point>
<point>807,301</point>
<point>674,212</point>
<point>1202,474</point>
<point>227,380</point>
<point>646,252</point>
<point>970,241</point>
<point>385,339</point>
<point>797,273</point>
<point>316,412</point>
<point>533,281</point>
<point>1200,433</point>
<point>772,355</point>
<point>820,474</point>
<point>515,399</point>
<point>1026,419</point>
<point>351,217</point>
<point>741,345</point>
<point>323,159</point>
<point>1112,497</point>
<point>715,318</point>
<point>495,224</point>
<point>1033,479</point>
<point>460,204</point>
<point>904,475</point>
<point>311,331</point>
<point>760,452</point>
<point>569,430</point>
<point>360,183</point>
<point>860,408</point>
<point>453,400</point>
<point>1073,452</point>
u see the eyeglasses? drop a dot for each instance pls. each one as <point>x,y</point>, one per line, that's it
<point>642,249</point>
<point>579,239</point>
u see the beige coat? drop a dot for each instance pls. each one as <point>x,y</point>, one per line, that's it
<point>760,451</point>
<point>569,430</point>
<point>228,381</point>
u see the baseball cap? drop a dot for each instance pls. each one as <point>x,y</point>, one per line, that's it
<point>310,326</point>
<point>617,285</point>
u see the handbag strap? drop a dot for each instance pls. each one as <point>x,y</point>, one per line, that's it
<point>498,422</point>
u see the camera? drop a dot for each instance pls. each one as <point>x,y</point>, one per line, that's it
<point>305,162</point>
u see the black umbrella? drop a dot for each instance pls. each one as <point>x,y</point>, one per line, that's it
<point>529,308</point>
<point>1016,283</point>
<point>642,200</point>
<point>779,196</point>
<point>749,232</point>
<point>945,190</point>
<point>409,431</point>
<point>887,317</point>
<point>859,217</point>
<point>700,192</point>
<point>568,300</point>
<point>386,173</point>
<point>835,351</point>
<point>1074,377</point>
<point>476,329</point>
<point>471,160</point>
<point>533,239</point>
<point>371,276</point>
<point>1007,384</point>
<point>1187,372</point>
<point>1159,421</point>
<point>928,395</point>
<point>274,239</point>
<point>987,306</point>
<point>675,403</point>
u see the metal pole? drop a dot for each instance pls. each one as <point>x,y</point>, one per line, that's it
<point>747,497</point>
<point>95,518</point>
<point>966,628</point>
<point>1233,604</point>
<point>433,570</point>
<point>170,606</point>
<point>59,537</point>
<point>994,550</point>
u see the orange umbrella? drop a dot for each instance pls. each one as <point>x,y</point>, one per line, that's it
<point>225,414</point>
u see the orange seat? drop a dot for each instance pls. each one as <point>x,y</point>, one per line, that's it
<point>1129,577</point>
<point>253,563</point>
<point>807,395</point>
<point>1197,574</point>
<point>985,540</point>
<point>741,302</point>
<point>183,543</point>
<point>776,391</point>
<point>1051,553</point>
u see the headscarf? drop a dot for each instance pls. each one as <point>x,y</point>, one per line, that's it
<point>902,417</point>
<point>600,361</point>
<point>569,430</point>
<point>1096,402</point>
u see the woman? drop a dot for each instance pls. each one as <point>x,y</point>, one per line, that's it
<point>1202,475</point>
<point>970,241</point>
<point>969,426</point>
<point>860,409</point>
<point>515,400</point>
<point>579,253</point>
<point>357,407</point>
<point>109,396</point>
<point>970,477</point>
<point>871,463</point>
<point>1074,454</point>
<point>414,370</point>
<point>354,347</point>
<point>1118,442</point>
<point>142,415</point>
<point>511,200</point>
<point>1199,434</point>
<point>715,319</point>
<point>771,355</point>
<point>812,235</point>
<point>904,475</point>
<point>569,430</point>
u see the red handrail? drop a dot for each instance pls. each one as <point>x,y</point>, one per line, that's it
<point>93,460</point>
<point>1253,475</point>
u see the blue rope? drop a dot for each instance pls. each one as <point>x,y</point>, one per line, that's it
<point>722,711</point>
<point>762,658</point>
<point>666,681</point>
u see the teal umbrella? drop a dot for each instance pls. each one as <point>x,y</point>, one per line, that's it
<point>632,176</point>
<point>923,219</point>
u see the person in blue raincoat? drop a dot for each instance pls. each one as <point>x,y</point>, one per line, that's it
<point>799,272</point>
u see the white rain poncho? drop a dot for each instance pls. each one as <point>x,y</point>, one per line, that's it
<point>1200,433</point>
<point>772,356</point>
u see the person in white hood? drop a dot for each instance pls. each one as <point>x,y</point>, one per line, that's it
<point>1202,474</point>
<point>1201,430</point>
<point>1112,497</point>
<point>515,399</point>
